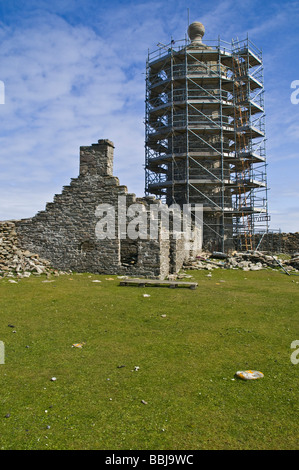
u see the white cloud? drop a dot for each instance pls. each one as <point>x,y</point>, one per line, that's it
<point>65,87</point>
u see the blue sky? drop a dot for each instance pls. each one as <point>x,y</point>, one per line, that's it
<point>74,72</point>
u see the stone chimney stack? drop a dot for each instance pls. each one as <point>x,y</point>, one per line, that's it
<point>97,159</point>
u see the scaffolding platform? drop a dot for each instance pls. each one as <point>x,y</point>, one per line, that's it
<point>205,134</point>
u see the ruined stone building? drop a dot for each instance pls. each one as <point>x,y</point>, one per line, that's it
<point>67,231</point>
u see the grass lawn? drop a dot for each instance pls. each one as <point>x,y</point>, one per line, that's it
<point>187,359</point>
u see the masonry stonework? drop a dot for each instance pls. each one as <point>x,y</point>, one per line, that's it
<point>65,232</point>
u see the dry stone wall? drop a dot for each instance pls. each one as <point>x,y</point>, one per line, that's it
<point>274,242</point>
<point>279,242</point>
<point>16,262</point>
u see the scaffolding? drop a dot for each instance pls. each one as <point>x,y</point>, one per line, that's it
<point>205,136</point>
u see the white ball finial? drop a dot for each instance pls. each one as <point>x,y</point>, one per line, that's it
<point>196,31</point>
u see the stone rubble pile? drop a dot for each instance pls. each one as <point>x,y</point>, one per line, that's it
<point>293,262</point>
<point>247,261</point>
<point>16,262</point>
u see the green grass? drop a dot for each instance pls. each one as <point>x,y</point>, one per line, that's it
<point>187,363</point>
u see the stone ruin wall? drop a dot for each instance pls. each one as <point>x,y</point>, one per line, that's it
<point>279,242</point>
<point>276,242</point>
<point>64,233</point>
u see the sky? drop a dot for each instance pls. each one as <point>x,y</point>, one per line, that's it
<point>73,72</point>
